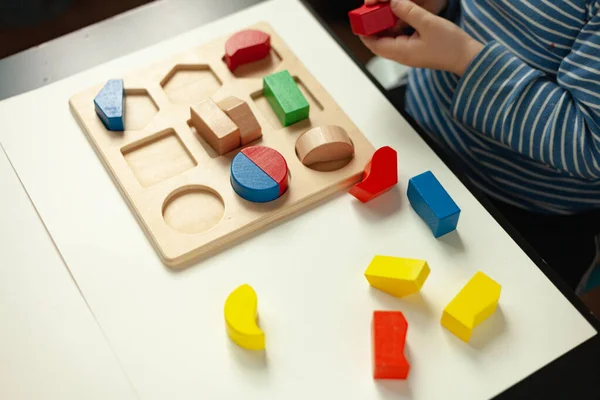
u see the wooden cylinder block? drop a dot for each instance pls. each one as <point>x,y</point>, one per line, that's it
<point>324,144</point>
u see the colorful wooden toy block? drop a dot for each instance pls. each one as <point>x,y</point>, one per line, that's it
<point>476,301</point>
<point>240,113</point>
<point>250,182</point>
<point>259,174</point>
<point>271,162</point>
<point>241,318</point>
<point>285,98</point>
<point>369,20</point>
<point>397,276</point>
<point>433,204</point>
<point>389,338</point>
<point>245,47</point>
<point>380,175</point>
<point>110,105</point>
<point>324,144</point>
<point>215,126</point>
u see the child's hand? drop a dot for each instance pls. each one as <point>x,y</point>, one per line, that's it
<point>433,6</point>
<point>436,44</point>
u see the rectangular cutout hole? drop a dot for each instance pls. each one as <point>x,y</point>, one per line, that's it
<point>158,157</point>
<point>265,108</point>
<point>312,100</point>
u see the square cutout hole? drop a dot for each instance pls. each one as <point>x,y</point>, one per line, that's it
<point>265,108</point>
<point>158,157</point>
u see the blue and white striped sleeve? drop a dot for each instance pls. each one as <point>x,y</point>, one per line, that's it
<point>553,121</point>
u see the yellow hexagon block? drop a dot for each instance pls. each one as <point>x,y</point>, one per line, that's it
<point>241,318</point>
<point>476,301</point>
<point>397,276</point>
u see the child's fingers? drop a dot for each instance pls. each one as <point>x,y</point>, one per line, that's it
<point>412,14</point>
<point>371,2</point>
<point>396,48</point>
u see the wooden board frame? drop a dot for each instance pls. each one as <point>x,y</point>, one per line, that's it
<point>177,186</point>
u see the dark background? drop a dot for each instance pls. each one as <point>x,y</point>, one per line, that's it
<point>29,23</point>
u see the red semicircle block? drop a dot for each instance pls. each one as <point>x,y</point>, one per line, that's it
<point>245,47</point>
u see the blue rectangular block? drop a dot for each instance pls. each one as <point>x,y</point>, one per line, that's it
<point>431,201</point>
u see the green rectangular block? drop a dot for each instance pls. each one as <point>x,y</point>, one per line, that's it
<point>285,98</point>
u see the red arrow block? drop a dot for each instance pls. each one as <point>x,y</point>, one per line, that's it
<point>381,174</point>
<point>389,338</point>
<point>245,47</point>
<point>369,20</point>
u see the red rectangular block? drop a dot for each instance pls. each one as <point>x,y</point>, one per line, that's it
<point>369,20</point>
<point>389,337</point>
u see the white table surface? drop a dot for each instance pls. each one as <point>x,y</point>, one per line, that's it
<point>315,306</point>
<point>50,344</point>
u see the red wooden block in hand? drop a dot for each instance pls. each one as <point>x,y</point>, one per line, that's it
<point>245,47</point>
<point>389,337</point>
<point>270,162</point>
<point>369,20</point>
<point>381,173</point>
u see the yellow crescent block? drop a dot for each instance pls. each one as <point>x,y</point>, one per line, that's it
<point>241,315</point>
<point>471,306</point>
<point>397,276</point>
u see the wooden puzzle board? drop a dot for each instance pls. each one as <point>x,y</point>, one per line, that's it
<point>176,184</point>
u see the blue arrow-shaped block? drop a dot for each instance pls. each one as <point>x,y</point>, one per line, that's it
<point>110,105</point>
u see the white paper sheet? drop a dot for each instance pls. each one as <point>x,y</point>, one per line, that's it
<point>314,303</point>
<point>50,345</point>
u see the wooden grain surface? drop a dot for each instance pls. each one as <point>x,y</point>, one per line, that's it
<point>167,194</point>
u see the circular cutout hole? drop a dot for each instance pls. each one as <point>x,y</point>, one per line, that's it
<point>325,148</point>
<point>193,209</point>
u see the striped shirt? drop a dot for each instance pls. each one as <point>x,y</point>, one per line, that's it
<point>525,116</point>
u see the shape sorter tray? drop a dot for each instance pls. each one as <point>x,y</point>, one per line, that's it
<point>175,183</point>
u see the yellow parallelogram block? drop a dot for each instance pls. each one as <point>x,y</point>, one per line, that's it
<point>471,306</point>
<point>397,276</point>
<point>241,318</point>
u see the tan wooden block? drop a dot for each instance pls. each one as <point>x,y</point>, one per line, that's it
<point>240,113</point>
<point>324,144</point>
<point>215,126</point>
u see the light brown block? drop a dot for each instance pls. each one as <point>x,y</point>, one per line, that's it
<point>240,113</point>
<point>324,144</point>
<point>215,126</point>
